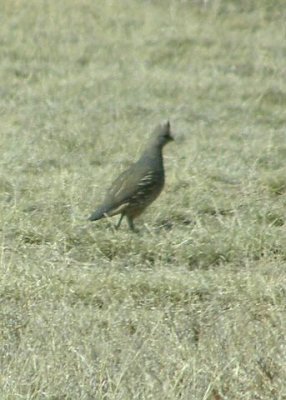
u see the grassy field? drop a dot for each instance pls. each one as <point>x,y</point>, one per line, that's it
<point>194,306</point>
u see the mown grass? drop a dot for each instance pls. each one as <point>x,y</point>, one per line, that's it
<point>193,307</point>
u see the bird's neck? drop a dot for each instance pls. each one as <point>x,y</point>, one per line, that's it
<point>153,153</point>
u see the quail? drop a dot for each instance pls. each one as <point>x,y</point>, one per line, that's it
<point>138,186</point>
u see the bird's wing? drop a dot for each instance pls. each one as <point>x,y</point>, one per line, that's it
<point>128,184</point>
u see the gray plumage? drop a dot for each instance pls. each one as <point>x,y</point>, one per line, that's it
<point>138,186</point>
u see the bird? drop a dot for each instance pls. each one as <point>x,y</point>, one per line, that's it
<point>137,187</point>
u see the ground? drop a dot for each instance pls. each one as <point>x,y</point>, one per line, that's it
<point>193,306</point>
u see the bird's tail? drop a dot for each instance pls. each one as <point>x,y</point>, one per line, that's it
<point>97,214</point>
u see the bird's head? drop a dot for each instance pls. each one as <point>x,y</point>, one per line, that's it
<point>162,134</point>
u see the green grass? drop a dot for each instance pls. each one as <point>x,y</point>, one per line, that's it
<point>193,307</point>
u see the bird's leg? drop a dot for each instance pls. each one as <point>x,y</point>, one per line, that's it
<point>119,222</point>
<point>131,223</point>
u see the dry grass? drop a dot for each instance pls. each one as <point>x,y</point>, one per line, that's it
<point>192,308</point>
